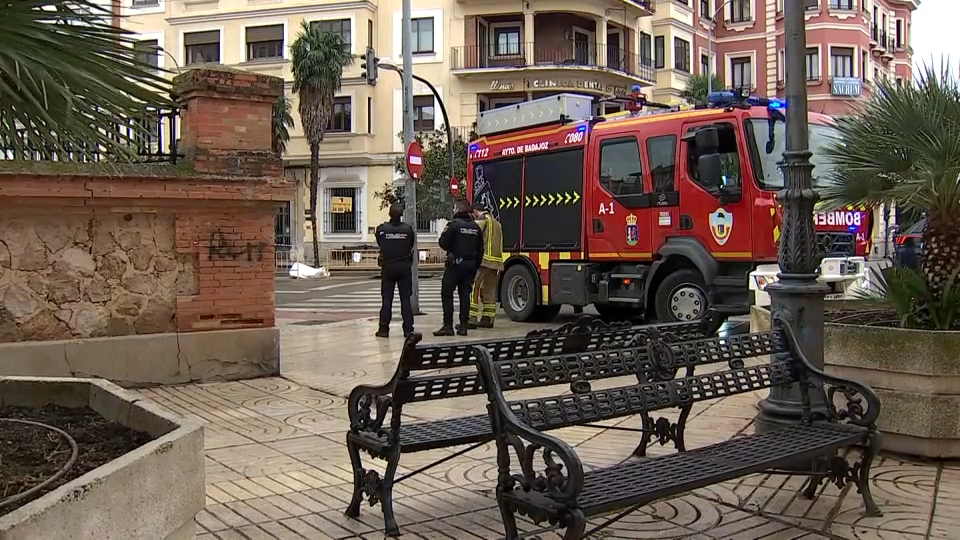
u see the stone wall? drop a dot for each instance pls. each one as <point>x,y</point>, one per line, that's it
<point>80,276</point>
<point>100,251</point>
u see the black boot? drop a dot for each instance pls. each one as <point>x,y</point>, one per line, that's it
<point>444,330</point>
<point>461,330</point>
<point>472,324</point>
<point>486,322</point>
<point>383,333</point>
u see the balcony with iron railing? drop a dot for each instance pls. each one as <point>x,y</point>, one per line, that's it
<point>553,53</point>
<point>631,8</point>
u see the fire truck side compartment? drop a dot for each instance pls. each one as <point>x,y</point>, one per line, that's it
<point>570,283</point>
<point>497,186</point>
<point>549,224</point>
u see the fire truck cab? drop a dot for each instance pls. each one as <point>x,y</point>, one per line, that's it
<point>660,214</point>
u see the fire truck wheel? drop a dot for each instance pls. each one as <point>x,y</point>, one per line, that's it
<point>681,296</point>
<point>518,293</point>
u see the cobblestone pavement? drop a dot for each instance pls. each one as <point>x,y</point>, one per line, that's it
<point>277,467</point>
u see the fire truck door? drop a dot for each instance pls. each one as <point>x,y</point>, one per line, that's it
<point>618,209</point>
<point>717,215</point>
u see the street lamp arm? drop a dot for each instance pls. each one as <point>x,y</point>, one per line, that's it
<point>443,112</point>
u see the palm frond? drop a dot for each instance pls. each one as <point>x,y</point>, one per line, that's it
<point>902,146</point>
<point>697,88</point>
<point>281,121</point>
<point>318,59</point>
<point>69,78</point>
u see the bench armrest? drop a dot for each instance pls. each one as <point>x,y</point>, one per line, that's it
<point>526,442</point>
<point>862,406</point>
<point>369,405</point>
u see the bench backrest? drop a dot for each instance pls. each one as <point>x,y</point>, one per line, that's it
<point>584,335</point>
<point>639,358</point>
<point>592,406</point>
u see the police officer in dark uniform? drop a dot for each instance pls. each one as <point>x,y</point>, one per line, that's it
<point>397,241</point>
<point>463,242</point>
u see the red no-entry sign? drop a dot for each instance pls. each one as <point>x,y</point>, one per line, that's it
<point>415,160</point>
<point>454,186</point>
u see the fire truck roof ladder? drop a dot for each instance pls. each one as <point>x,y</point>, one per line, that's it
<point>537,112</point>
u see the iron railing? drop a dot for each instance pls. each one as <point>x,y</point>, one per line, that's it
<point>152,138</point>
<point>553,53</point>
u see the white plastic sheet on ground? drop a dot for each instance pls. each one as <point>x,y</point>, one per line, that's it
<point>305,271</point>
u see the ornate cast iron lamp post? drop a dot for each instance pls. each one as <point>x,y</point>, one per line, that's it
<point>797,298</point>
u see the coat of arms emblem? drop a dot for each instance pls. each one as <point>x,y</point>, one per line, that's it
<point>721,225</point>
<point>633,230</point>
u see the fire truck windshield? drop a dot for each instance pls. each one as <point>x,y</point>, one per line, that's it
<point>761,136</point>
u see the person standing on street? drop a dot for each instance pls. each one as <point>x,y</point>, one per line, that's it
<point>483,300</point>
<point>398,242</point>
<point>463,242</point>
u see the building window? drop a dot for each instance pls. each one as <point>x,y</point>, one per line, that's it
<point>265,42</point>
<point>341,121</point>
<point>646,49</point>
<point>705,12</point>
<point>145,3</point>
<point>424,224</point>
<point>899,36</point>
<point>148,53</point>
<point>741,71</point>
<point>281,226</point>
<point>813,64</point>
<point>658,52</point>
<point>662,152</point>
<point>620,170</point>
<point>740,11</point>
<point>421,30</point>
<point>841,61</point>
<point>704,64</point>
<point>342,211</point>
<point>506,41</point>
<point>842,4</point>
<point>423,113</point>
<point>681,55</point>
<point>340,27</point>
<point>202,47</point>
<point>811,5</point>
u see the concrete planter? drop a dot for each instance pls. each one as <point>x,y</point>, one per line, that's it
<point>916,374</point>
<point>152,492</point>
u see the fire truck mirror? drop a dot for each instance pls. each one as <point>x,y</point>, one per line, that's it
<point>708,166</point>
<point>707,140</point>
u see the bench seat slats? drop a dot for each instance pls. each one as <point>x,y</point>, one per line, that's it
<point>423,436</point>
<point>628,484</point>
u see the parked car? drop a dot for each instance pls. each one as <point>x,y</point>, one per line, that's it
<point>908,247</point>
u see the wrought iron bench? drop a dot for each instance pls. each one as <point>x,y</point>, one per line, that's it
<point>566,496</point>
<point>580,352</point>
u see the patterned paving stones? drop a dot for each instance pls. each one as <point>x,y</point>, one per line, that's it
<point>277,467</point>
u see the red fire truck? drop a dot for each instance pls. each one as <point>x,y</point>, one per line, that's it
<point>657,214</point>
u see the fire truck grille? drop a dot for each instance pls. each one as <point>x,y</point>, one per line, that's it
<point>834,243</point>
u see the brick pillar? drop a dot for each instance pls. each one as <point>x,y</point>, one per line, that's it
<point>225,121</point>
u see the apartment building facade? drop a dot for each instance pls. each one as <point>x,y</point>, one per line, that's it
<point>484,54</point>
<point>851,44</point>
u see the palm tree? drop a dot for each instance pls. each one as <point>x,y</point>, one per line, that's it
<point>903,147</point>
<point>68,78</point>
<point>695,92</point>
<point>281,122</point>
<point>318,61</point>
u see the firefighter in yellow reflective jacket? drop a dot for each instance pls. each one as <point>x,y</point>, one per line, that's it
<point>483,300</point>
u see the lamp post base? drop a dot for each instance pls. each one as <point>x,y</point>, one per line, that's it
<point>798,302</point>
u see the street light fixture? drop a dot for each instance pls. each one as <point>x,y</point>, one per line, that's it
<point>797,298</point>
<point>389,65</point>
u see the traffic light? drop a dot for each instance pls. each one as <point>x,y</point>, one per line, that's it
<point>370,67</point>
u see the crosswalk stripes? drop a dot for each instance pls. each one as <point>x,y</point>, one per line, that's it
<point>367,301</point>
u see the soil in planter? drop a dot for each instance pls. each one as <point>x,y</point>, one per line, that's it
<point>30,454</point>
<point>861,313</point>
